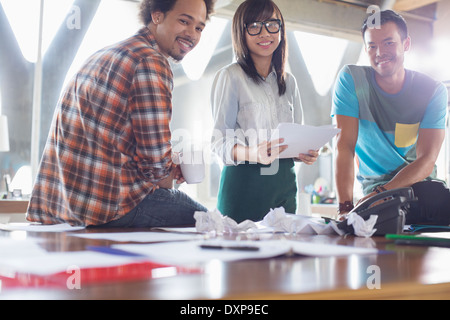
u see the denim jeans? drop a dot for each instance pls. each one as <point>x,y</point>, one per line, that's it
<point>162,208</point>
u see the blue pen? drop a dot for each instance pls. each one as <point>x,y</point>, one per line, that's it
<point>113,251</point>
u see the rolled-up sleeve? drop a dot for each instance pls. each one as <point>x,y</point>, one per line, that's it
<point>150,117</point>
<point>225,106</point>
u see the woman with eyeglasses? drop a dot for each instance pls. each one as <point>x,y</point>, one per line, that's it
<point>249,99</point>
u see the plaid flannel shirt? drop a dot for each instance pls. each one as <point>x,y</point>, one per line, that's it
<point>109,142</point>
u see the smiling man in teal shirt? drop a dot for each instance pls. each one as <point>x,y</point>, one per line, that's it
<point>393,120</point>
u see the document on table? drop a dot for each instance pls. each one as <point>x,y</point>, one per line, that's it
<point>302,138</point>
<point>27,256</point>
<point>177,230</point>
<point>54,262</point>
<point>63,227</point>
<point>194,252</point>
<point>139,236</point>
<point>19,248</point>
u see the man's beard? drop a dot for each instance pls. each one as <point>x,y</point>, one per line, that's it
<point>176,58</point>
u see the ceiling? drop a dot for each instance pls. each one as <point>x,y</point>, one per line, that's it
<point>340,18</point>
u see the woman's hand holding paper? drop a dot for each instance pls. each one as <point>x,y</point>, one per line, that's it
<point>309,158</point>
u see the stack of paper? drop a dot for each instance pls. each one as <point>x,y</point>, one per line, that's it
<point>194,252</point>
<point>302,138</point>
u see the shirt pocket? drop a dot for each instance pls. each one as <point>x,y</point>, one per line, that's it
<point>406,134</point>
<point>251,116</point>
<point>286,112</point>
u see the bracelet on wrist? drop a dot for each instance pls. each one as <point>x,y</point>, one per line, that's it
<point>346,206</point>
<point>379,189</point>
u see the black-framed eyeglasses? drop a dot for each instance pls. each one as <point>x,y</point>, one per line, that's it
<point>255,28</point>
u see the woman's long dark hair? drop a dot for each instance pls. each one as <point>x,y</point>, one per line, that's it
<point>259,10</point>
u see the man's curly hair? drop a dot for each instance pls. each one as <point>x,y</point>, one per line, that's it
<point>149,6</point>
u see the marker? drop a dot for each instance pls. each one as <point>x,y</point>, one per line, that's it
<point>419,240</point>
<point>220,247</point>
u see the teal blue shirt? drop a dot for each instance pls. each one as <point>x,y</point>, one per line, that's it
<point>388,123</point>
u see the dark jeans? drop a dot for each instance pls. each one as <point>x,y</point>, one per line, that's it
<point>433,205</point>
<point>162,208</point>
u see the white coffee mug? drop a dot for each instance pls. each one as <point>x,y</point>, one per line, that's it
<point>192,166</point>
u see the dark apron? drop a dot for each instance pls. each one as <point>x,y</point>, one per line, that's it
<point>245,193</point>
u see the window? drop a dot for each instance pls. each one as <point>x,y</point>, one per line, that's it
<point>323,56</point>
<point>30,83</point>
<point>70,34</point>
<point>36,58</point>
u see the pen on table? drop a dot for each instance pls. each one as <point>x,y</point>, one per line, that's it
<point>220,247</point>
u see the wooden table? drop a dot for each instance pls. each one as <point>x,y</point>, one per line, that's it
<point>405,272</point>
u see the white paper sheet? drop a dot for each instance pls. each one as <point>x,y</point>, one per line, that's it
<point>327,250</point>
<point>191,253</point>
<point>177,230</point>
<point>18,248</point>
<point>51,263</point>
<point>139,236</point>
<point>24,256</point>
<point>302,138</point>
<point>63,227</point>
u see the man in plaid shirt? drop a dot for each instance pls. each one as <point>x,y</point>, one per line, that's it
<point>108,157</point>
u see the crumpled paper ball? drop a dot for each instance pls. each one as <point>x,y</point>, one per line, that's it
<point>278,220</point>
<point>214,221</point>
<point>361,227</point>
<point>209,221</point>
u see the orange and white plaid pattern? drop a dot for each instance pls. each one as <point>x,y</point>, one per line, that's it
<point>109,142</point>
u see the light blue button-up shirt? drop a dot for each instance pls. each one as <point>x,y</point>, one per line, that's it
<point>246,112</point>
